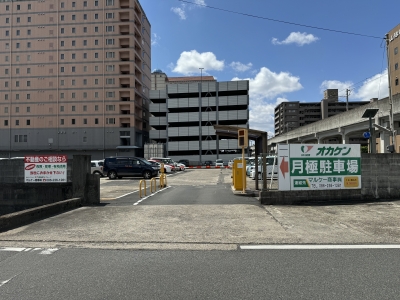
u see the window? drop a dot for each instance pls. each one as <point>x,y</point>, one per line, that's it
<point>29,19</point>
<point>96,3</point>
<point>109,41</point>
<point>7,7</point>
<point>17,45</point>
<point>96,121</point>
<point>84,122</point>
<point>110,54</point>
<point>16,122</point>
<point>73,4</point>
<point>73,43</point>
<point>17,71</point>
<point>85,108</point>
<point>84,3</point>
<point>73,95</point>
<point>110,94</point>
<point>110,81</point>
<point>18,32</point>
<point>96,16</point>
<point>28,32</point>
<point>17,83</point>
<point>73,69</point>
<point>62,18</point>
<point>62,82</point>
<point>110,120</point>
<point>17,58</point>
<point>73,107</point>
<point>96,55</point>
<point>110,68</point>
<point>396,50</point>
<point>7,32</point>
<point>28,70</point>
<point>62,70</point>
<point>84,42</point>
<point>62,108</point>
<point>73,17</point>
<point>84,29</point>
<point>28,109</point>
<point>29,6</point>
<point>6,84</point>
<point>110,107</point>
<point>62,95</point>
<point>62,4</point>
<point>62,44</point>
<point>73,82</point>
<point>73,30</point>
<point>17,109</point>
<point>96,68</point>
<point>396,66</point>
<point>396,81</point>
<point>73,121</point>
<point>110,28</point>
<point>6,71</point>
<point>109,15</point>
<point>16,96</point>
<point>62,56</point>
<point>96,94</point>
<point>6,110</point>
<point>28,96</point>
<point>28,122</point>
<point>96,81</point>
<point>96,42</point>
<point>6,123</point>
<point>96,29</point>
<point>109,2</point>
<point>28,44</point>
<point>28,83</point>
<point>85,16</point>
<point>73,55</point>
<point>84,68</point>
<point>6,97</point>
<point>7,46</point>
<point>84,81</point>
<point>18,20</point>
<point>61,121</point>
<point>28,57</point>
<point>84,55</point>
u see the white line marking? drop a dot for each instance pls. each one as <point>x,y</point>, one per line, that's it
<point>4,282</point>
<point>49,251</point>
<point>126,194</point>
<point>313,247</point>
<point>12,249</point>
<point>27,249</point>
<point>144,198</point>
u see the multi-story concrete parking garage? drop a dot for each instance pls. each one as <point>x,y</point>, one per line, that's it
<point>183,115</point>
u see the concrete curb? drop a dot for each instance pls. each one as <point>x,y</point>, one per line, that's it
<point>20,218</point>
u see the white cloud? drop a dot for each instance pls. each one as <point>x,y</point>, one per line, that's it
<point>264,87</point>
<point>373,87</point>
<point>298,38</point>
<point>180,11</point>
<point>154,39</point>
<point>239,67</point>
<point>190,61</point>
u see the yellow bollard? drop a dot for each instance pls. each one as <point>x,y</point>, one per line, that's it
<point>165,178</point>
<point>151,185</point>
<point>140,188</point>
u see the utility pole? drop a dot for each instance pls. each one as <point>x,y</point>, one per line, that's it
<point>390,96</point>
<point>347,99</point>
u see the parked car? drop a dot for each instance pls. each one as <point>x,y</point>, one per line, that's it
<point>96,167</point>
<point>185,162</point>
<point>167,168</point>
<point>270,166</point>
<point>180,167</point>
<point>165,161</point>
<point>219,163</point>
<point>208,163</point>
<point>118,167</point>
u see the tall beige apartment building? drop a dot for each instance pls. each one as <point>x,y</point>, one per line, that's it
<point>74,77</point>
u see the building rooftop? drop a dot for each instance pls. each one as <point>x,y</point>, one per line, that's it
<point>191,78</point>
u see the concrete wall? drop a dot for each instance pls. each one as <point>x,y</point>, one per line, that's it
<point>380,174</point>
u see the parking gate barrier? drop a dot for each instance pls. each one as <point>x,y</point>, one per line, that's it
<point>140,188</point>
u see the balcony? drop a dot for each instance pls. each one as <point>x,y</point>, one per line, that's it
<point>124,56</point>
<point>124,16</point>
<point>124,3</point>
<point>124,69</point>
<point>124,43</point>
<point>124,30</point>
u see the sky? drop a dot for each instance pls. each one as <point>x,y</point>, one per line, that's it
<point>289,50</point>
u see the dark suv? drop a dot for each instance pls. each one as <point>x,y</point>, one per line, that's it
<point>118,167</point>
<point>208,163</point>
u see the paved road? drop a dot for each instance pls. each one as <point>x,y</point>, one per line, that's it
<point>273,274</point>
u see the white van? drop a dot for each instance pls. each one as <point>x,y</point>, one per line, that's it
<point>272,164</point>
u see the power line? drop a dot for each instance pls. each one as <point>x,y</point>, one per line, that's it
<point>280,21</point>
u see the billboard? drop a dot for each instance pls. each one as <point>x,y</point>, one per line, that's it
<point>319,166</point>
<point>45,168</point>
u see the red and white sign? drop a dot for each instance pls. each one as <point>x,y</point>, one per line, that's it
<point>45,168</point>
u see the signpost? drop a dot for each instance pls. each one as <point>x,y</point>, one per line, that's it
<point>319,167</point>
<point>243,141</point>
<point>45,168</point>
